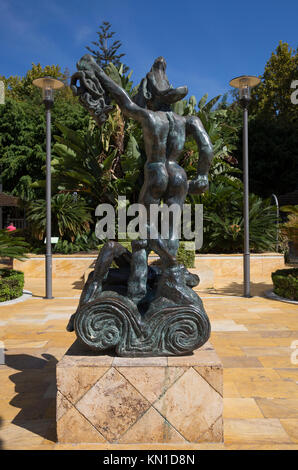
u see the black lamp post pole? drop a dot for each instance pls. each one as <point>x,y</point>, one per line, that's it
<point>244,83</point>
<point>48,105</point>
<point>246,252</point>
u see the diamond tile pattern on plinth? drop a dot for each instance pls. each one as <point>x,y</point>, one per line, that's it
<point>130,400</point>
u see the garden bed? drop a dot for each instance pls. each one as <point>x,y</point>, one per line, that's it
<point>285,282</point>
<point>11,284</point>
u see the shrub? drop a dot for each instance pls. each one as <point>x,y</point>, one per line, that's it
<point>285,282</point>
<point>70,216</point>
<point>186,254</point>
<point>11,284</point>
<point>12,246</point>
<point>224,223</point>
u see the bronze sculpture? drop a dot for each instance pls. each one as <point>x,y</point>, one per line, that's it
<point>155,311</point>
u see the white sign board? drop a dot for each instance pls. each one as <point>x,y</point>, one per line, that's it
<point>53,239</point>
<point>2,93</point>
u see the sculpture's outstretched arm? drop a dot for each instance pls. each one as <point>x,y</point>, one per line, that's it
<point>195,128</point>
<point>128,107</point>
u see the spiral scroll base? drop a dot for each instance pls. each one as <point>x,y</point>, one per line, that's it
<point>113,323</point>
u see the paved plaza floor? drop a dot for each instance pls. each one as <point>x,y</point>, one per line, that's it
<point>255,339</point>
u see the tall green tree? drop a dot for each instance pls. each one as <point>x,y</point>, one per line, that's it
<point>272,98</point>
<point>104,53</point>
<point>273,126</point>
<point>22,128</point>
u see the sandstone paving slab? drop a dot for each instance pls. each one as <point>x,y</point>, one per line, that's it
<point>230,390</point>
<point>288,374</point>
<point>241,408</point>
<point>240,361</point>
<point>278,362</point>
<point>291,427</point>
<point>255,431</point>
<point>250,375</point>
<point>24,434</point>
<point>267,351</point>
<point>270,389</point>
<point>278,407</point>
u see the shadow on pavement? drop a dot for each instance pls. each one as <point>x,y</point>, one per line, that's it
<point>35,387</point>
<point>236,289</point>
<point>1,442</point>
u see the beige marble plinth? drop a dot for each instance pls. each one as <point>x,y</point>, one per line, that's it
<point>139,400</point>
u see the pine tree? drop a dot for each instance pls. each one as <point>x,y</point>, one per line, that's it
<point>107,53</point>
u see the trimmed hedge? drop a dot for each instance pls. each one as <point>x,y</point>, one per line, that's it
<point>285,282</point>
<point>11,284</point>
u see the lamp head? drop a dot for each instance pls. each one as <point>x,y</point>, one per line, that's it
<point>244,83</point>
<point>48,85</point>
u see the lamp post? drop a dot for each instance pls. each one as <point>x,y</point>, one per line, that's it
<point>48,85</point>
<point>244,84</point>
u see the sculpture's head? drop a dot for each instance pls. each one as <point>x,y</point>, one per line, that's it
<point>155,91</point>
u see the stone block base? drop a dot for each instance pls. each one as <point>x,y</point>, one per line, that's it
<point>107,399</point>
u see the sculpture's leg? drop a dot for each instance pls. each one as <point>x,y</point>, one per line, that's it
<point>176,194</point>
<point>154,187</point>
<point>137,283</point>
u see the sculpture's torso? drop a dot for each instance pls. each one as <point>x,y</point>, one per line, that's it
<point>164,136</point>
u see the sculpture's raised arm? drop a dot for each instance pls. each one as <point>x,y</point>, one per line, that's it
<point>95,74</point>
<point>195,128</point>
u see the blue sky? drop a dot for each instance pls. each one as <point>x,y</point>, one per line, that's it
<point>205,43</point>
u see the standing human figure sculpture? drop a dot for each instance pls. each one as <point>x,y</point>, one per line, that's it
<point>164,134</point>
<point>138,309</point>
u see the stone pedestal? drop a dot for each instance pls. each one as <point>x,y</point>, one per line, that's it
<point>107,399</point>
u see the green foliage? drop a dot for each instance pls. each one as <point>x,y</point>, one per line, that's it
<point>11,284</point>
<point>22,139</point>
<point>21,88</point>
<point>82,242</point>
<point>272,98</point>
<point>186,254</point>
<point>70,216</point>
<point>290,228</point>
<point>222,136</point>
<point>285,282</point>
<point>103,162</point>
<point>105,53</point>
<point>12,246</point>
<point>273,126</point>
<point>224,223</point>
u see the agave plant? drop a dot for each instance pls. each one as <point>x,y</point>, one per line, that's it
<point>12,246</point>
<point>70,216</point>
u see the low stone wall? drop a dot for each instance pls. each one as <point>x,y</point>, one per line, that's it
<point>211,268</point>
